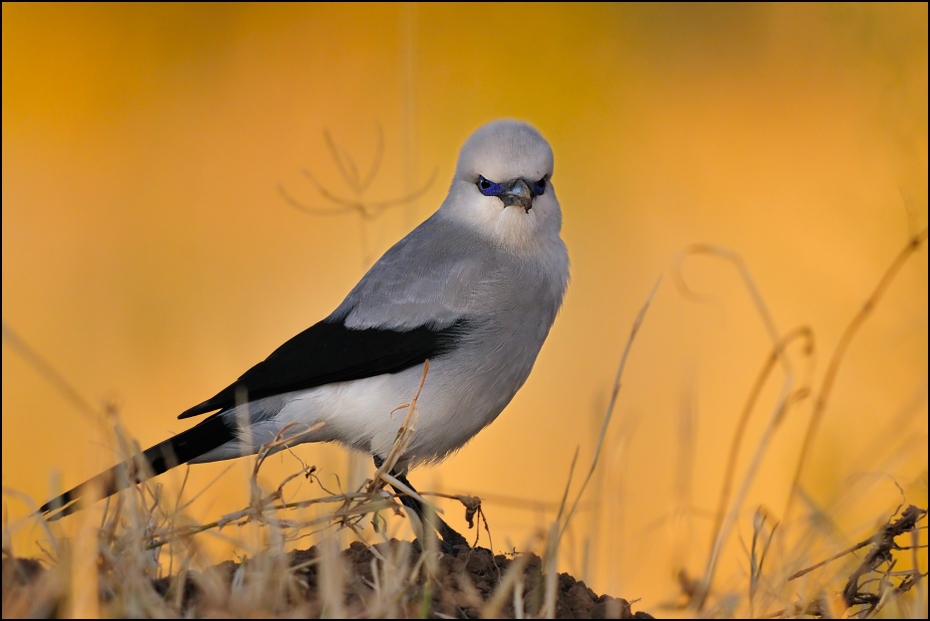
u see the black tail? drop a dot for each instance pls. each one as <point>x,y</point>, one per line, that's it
<point>204,437</point>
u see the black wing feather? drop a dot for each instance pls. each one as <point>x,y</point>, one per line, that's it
<point>324,353</point>
<point>330,352</point>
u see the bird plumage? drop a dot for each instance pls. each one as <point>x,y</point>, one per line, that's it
<point>474,289</point>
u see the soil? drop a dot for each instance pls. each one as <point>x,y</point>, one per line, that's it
<point>464,581</point>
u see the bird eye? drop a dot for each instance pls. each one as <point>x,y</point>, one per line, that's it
<point>539,187</point>
<point>489,188</point>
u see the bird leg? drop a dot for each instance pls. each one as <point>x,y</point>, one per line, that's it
<point>449,535</point>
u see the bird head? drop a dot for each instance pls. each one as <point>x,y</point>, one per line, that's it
<point>503,185</point>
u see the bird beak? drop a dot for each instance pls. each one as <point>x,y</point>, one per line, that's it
<point>517,192</point>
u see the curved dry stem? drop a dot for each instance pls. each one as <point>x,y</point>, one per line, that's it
<point>404,433</point>
<point>737,260</point>
<point>839,353</point>
<point>788,395</point>
<point>802,332</point>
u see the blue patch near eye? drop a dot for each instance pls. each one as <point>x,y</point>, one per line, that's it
<point>489,188</point>
<point>539,187</point>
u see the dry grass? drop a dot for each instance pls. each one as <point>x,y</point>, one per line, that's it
<point>767,586</point>
<point>144,558</point>
<point>140,559</point>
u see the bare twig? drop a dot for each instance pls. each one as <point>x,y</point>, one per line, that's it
<point>359,184</point>
<point>881,552</point>
<point>637,323</point>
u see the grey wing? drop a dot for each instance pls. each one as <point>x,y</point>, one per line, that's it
<point>428,279</point>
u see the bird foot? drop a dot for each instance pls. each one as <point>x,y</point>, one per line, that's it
<point>446,547</point>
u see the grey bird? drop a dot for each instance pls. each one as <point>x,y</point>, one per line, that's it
<point>474,290</point>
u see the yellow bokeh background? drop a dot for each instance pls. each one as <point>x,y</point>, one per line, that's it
<point>149,254</point>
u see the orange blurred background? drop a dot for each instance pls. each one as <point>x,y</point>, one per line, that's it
<point>150,257</point>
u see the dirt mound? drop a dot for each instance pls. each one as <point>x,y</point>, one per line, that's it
<point>466,583</point>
